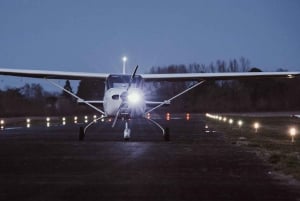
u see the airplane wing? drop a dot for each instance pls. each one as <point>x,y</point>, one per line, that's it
<point>217,76</point>
<point>51,74</point>
<point>148,77</point>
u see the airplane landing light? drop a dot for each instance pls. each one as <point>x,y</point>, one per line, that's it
<point>134,97</point>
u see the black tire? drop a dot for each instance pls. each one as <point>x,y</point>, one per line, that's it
<point>81,133</point>
<point>167,134</point>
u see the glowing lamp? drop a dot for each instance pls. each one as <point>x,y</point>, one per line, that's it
<point>168,117</point>
<point>75,119</point>
<point>293,133</point>
<point>2,124</point>
<point>28,123</point>
<point>256,126</point>
<point>240,123</point>
<point>134,97</point>
<point>187,116</point>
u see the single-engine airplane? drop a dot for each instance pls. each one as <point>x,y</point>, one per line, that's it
<point>124,97</point>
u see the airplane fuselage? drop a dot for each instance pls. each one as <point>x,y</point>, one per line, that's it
<point>118,97</point>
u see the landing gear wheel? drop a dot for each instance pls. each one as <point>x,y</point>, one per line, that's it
<point>167,134</point>
<point>126,134</point>
<point>81,133</point>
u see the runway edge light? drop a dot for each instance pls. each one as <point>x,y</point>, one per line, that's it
<point>256,126</point>
<point>28,121</point>
<point>188,116</point>
<point>168,116</point>
<point>2,122</point>
<point>293,133</point>
<point>240,123</point>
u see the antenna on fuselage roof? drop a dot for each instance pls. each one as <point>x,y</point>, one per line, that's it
<point>124,65</point>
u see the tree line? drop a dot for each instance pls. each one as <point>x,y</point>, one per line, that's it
<point>246,95</point>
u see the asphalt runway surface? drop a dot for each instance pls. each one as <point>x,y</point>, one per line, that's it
<point>51,164</point>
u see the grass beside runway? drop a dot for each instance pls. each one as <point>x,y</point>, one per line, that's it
<point>271,141</point>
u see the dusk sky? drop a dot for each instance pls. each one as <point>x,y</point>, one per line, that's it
<point>93,35</point>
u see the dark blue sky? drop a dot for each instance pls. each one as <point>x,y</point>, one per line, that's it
<point>93,35</point>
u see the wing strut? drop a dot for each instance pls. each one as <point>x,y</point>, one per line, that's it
<point>169,100</point>
<point>74,95</point>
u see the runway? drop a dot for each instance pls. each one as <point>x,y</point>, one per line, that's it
<point>41,163</point>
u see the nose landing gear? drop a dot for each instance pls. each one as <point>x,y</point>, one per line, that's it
<point>167,134</point>
<point>126,131</point>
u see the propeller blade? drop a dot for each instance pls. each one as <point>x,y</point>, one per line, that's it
<point>116,118</point>
<point>132,77</point>
<point>134,72</point>
<point>124,96</point>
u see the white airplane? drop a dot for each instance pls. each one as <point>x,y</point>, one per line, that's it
<point>124,97</point>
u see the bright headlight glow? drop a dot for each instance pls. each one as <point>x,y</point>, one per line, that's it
<point>134,97</point>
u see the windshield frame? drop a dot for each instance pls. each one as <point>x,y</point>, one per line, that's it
<point>122,81</point>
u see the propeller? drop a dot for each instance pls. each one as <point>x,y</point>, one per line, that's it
<point>124,95</point>
<point>132,77</point>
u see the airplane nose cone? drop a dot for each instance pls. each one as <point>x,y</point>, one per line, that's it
<point>124,96</point>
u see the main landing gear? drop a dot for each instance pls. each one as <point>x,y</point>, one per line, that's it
<point>165,132</point>
<point>81,133</point>
<point>82,130</point>
<point>127,130</point>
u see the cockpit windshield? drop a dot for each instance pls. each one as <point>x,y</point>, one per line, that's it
<point>122,81</point>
